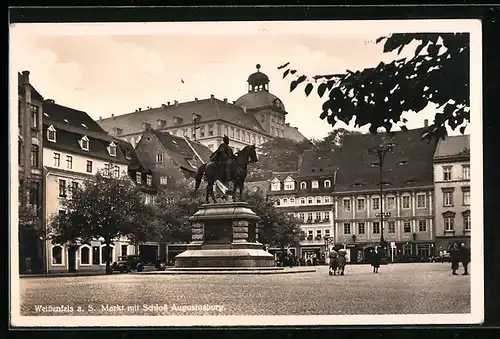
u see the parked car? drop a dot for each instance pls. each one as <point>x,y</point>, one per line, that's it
<point>443,257</point>
<point>129,263</point>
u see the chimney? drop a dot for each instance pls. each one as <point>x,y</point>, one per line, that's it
<point>139,109</point>
<point>176,103</point>
<point>426,123</point>
<point>225,100</point>
<point>100,118</point>
<point>112,116</point>
<point>212,96</point>
<point>287,124</point>
<point>26,77</point>
<point>168,103</point>
<point>163,105</point>
<point>195,99</point>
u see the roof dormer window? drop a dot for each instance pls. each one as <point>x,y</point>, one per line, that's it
<point>149,179</point>
<point>51,134</point>
<point>112,149</point>
<point>84,143</point>
<point>138,177</point>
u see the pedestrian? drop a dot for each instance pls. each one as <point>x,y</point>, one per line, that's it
<point>465,258</point>
<point>455,258</point>
<point>375,259</point>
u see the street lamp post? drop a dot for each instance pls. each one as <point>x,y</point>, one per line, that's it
<point>381,151</point>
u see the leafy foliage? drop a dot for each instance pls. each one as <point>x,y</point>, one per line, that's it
<point>437,73</point>
<point>29,214</point>
<point>333,140</point>
<point>276,228</point>
<point>104,209</point>
<point>281,155</point>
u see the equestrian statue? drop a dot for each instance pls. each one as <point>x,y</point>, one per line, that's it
<point>226,167</point>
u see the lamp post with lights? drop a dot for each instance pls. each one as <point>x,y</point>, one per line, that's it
<point>381,151</point>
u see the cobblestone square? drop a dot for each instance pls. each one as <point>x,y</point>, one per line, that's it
<point>418,288</point>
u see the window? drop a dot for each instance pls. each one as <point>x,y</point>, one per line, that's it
<point>327,233</point>
<point>361,204</point>
<point>310,233</point>
<point>328,183</point>
<point>210,130</point>
<point>376,227</point>
<point>405,202</point>
<point>347,228</point>
<point>107,168</point>
<point>226,130</point>
<point>309,216</point>
<point>57,159</point>
<point>449,223</point>
<point>301,216</point>
<point>95,255</point>
<point>232,132</point>
<point>84,143</point>
<point>289,185</point>
<point>202,131</point>
<point>303,185</point>
<point>163,180</point>
<point>326,200</point>
<point>285,201</point>
<point>149,180</point>
<point>112,149</point>
<point>89,166</point>
<point>467,221</point>
<point>34,156</point>
<point>361,228</point>
<point>34,194</point>
<point>391,203</point>
<point>318,233</point>
<point>34,116</point>
<point>391,226</point>
<point>159,157</point>
<point>69,162</point>
<point>466,196</point>
<point>106,252</point>
<point>74,187</point>
<point>315,184</point>
<point>302,201</point>
<point>124,250</point>
<point>347,205</point>
<point>448,198</point>
<point>238,136</point>
<point>376,203</point>
<point>318,200</point>
<point>318,216</point>
<point>138,177</point>
<point>421,200</point>
<point>422,225</point>
<point>84,255</point>
<point>326,215</point>
<point>466,172</point>
<point>310,200</point>
<point>51,134</point>
<point>406,226</point>
<point>57,253</point>
<point>292,201</point>
<point>62,188</point>
<point>275,186</point>
<point>447,173</point>
<point>116,171</point>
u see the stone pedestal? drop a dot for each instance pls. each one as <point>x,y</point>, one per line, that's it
<point>224,235</point>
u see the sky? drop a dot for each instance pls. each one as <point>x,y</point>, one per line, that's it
<point>106,69</point>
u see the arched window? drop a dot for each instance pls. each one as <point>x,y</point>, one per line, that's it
<point>292,201</point>
<point>105,254</point>
<point>303,185</point>
<point>85,255</point>
<point>57,255</point>
<point>328,183</point>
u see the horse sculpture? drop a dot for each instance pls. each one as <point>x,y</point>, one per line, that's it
<point>238,173</point>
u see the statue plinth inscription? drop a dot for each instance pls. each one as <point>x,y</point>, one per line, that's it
<point>224,235</point>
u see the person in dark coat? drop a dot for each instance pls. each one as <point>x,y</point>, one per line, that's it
<point>455,258</point>
<point>465,258</point>
<point>375,259</point>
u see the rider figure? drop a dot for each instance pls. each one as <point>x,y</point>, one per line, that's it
<point>223,157</point>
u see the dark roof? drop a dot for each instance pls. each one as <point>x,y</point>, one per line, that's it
<point>259,176</point>
<point>67,141</point>
<point>409,165</point>
<point>209,110</point>
<point>128,150</point>
<point>20,88</point>
<point>71,117</point>
<point>257,99</point>
<point>453,146</point>
<point>294,134</point>
<point>318,162</point>
<point>181,152</point>
<point>258,78</point>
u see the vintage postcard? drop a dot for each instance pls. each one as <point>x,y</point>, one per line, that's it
<point>246,173</point>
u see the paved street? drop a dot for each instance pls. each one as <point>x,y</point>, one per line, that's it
<point>397,289</point>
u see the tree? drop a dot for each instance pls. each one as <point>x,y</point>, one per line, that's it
<point>438,72</point>
<point>281,155</point>
<point>333,140</point>
<point>30,210</point>
<point>276,227</point>
<point>105,208</point>
<point>169,214</point>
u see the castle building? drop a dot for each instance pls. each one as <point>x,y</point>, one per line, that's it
<point>254,118</point>
<point>452,192</point>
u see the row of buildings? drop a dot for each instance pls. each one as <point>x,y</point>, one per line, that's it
<point>59,146</point>
<point>336,195</point>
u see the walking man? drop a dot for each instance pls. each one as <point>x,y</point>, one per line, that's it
<point>455,258</point>
<point>465,258</point>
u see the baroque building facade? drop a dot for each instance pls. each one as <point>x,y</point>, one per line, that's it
<point>452,191</point>
<point>254,118</point>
